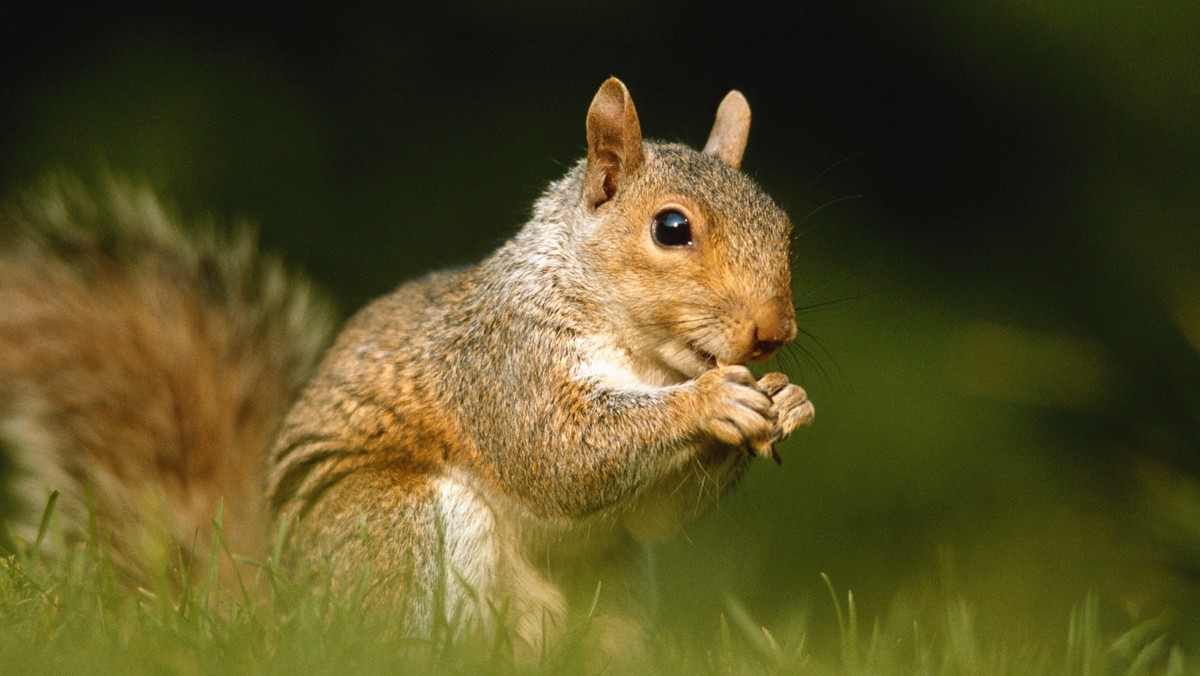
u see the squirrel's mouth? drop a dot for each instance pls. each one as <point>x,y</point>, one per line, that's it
<point>710,360</point>
<point>690,359</point>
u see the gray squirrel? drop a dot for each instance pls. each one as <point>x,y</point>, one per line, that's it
<point>494,441</point>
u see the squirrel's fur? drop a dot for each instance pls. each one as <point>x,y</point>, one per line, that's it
<point>488,444</point>
<point>144,368</point>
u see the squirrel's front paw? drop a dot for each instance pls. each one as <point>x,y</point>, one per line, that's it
<point>790,404</point>
<point>735,410</point>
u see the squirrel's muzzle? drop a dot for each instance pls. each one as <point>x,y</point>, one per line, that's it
<point>774,327</point>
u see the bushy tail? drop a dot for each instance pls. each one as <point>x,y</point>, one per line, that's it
<point>144,368</point>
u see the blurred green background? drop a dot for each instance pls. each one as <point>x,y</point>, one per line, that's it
<point>997,206</point>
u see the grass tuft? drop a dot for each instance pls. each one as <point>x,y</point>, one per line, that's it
<point>69,613</point>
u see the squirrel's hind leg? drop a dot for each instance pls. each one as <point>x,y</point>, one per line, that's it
<point>487,583</point>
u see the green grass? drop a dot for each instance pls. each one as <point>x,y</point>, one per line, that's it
<point>73,615</point>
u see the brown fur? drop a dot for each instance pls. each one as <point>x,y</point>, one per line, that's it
<point>144,369</point>
<point>472,387</point>
<point>489,444</point>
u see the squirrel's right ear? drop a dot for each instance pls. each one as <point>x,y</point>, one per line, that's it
<point>614,142</point>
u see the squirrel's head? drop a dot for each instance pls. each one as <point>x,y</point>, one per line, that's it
<point>694,256</point>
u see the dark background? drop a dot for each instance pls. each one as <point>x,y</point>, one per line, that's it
<point>997,206</point>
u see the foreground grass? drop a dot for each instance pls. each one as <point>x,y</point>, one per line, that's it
<point>71,615</point>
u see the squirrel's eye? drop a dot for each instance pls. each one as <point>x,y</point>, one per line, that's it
<point>672,229</point>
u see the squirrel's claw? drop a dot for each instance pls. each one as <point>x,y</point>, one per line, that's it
<point>792,409</point>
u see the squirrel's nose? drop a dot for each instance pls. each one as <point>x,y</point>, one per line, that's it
<point>774,327</point>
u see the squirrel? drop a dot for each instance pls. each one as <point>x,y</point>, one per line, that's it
<point>497,444</point>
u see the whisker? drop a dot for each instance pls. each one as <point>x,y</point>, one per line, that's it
<point>675,324</point>
<point>813,307</point>
<point>830,168</point>
<point>828,356</point>
<point>812,358</point>
<point>817,210</point>
<point>820,346</point>
<point>707,308</point>
<point>651,345</point>
<point>837,281</point>
<point>784,356</point>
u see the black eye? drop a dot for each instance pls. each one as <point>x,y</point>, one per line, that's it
<point>672,229</point>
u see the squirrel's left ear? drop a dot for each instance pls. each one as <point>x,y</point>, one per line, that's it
<point>727,141</point>
<point>614,142</point>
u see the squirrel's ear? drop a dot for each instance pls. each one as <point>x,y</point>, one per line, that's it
<point>614,142</point>
<point>727,141</point>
